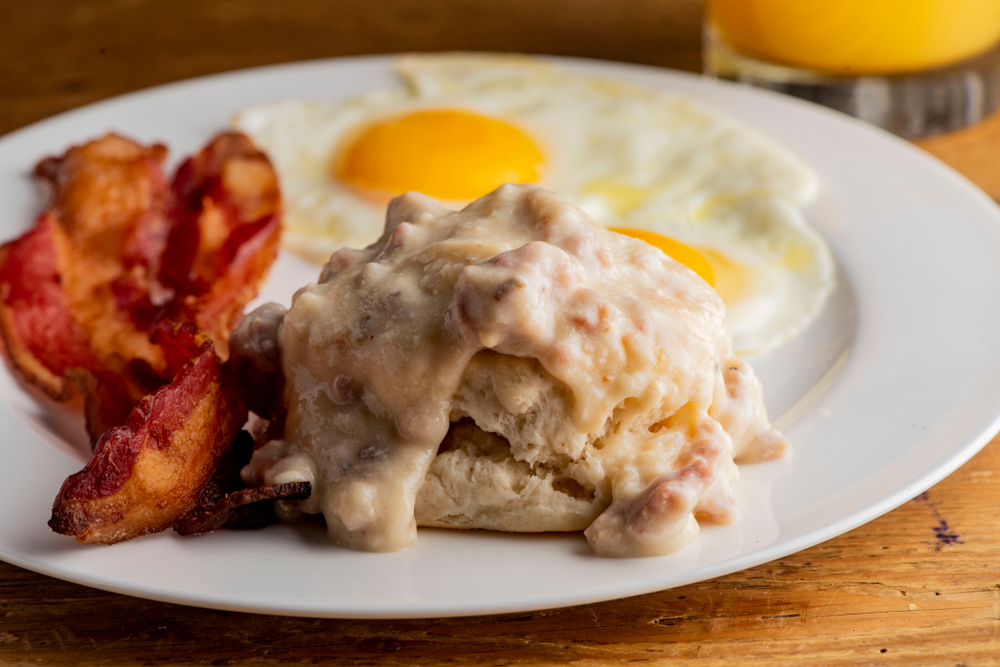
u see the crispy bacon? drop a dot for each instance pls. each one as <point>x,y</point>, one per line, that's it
<point>74,296</point>
<point>127,289</point>
<point>225,237</point>
<point>244,508</point>
<point>146,475</point>
<point>225,500</point>
<point>108,205</point>
<point>40,334</point>
<point>123,278</point>
<point>218,309</point>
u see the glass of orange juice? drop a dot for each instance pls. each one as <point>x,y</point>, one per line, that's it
<point>915,67</point>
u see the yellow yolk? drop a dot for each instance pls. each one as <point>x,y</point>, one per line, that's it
<point>686,255</point>
<point>443,153</point>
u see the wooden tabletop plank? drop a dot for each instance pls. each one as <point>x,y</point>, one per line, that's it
<point>56,55</point>
<point>920,585</point>
<point>973,152</point>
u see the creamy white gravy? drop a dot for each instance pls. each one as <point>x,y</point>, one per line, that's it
<point>373,358</point>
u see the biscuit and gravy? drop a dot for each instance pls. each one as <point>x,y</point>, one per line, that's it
<point>510,366</point>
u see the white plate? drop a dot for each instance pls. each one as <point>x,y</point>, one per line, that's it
<point>896,386</point>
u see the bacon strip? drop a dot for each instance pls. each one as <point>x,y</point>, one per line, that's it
<point>225,236</point>
<point>146,475</point>
<point>123,278</point>
<point>108,205</point>
<point>39,332</point>
<point>246,508</point>
<point>127,290</point>
<point>225,500</point>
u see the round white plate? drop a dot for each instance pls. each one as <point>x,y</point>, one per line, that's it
<point>892,389</point>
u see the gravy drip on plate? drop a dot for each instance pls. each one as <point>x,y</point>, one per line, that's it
<point>373,358</point>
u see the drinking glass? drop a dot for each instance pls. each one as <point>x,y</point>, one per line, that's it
<point>914,67</point>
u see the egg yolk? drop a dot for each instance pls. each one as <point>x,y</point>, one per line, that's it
<point>686,255</point>
<point>444,153</point>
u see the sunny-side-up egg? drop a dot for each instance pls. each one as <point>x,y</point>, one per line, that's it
<point>459,125</point>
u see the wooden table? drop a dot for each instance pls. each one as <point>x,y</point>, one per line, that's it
<point>920,585</point>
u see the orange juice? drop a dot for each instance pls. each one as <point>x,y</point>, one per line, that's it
<point>849,37</point>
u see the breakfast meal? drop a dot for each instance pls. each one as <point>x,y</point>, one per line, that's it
<point>487,354</point>
<point>510,366</point>
<point>459,125</point>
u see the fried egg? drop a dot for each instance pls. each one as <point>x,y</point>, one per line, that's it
<point>636,158</point>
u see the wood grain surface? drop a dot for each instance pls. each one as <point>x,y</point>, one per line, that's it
<point>919,586</point>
